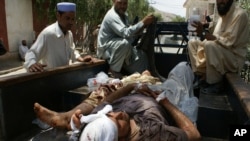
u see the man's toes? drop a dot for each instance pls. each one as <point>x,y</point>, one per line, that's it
<point>36,107</point>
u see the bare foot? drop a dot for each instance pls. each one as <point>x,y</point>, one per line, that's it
<point>52,118</point>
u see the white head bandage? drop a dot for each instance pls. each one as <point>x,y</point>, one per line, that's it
<point>99,127</point>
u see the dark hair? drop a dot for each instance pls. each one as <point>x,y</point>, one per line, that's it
<point>223,11</point>
<point>2,48</point>
<point>60,12</point>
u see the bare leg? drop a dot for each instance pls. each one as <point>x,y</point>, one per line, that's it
<point>60,120</point>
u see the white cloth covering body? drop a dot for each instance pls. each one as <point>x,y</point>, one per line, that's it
<point>178,89</point>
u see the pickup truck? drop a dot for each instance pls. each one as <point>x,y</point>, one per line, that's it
<point>58,88</point>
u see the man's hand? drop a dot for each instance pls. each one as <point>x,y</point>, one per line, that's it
<point>148,19</point>
<point>87,59</point>
<point>199,27</point>
<point>37,67</point>
<point>144,89</point>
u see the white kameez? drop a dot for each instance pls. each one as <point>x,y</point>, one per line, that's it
<point>52,48</point>
<point>228,52</point>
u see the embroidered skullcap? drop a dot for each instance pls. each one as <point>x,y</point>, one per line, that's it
<point>66,7</point>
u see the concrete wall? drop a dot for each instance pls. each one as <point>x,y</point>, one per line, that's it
<point>19,21</point>
<point>206,7</point>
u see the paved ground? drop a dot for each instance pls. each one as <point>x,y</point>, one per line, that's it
<point>10,63</point>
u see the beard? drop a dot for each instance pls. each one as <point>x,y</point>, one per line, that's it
<point>223,8</point>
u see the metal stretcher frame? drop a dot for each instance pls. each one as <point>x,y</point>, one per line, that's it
<point>175,29</point>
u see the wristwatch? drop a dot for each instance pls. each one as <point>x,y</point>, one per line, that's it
<point>204,33</point>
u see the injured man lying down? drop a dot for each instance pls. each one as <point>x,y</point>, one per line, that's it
<point>133,110</point>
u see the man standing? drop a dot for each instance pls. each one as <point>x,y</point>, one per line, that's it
<point>23,48</point>
<point>224,50</point>
<point>54,46</point>
<point>115,40</point>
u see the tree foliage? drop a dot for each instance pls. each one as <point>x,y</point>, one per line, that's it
<point>246,5</point>
<point>90,14</point>
<point>139,8</point>
<point>179,19</point>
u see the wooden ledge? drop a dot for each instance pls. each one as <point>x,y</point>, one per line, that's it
<point>23,77</point>
<point>241,89</point>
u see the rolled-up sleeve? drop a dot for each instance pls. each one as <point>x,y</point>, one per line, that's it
<point>36,52</point>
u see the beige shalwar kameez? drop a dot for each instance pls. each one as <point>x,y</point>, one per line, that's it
<point>225,54</point>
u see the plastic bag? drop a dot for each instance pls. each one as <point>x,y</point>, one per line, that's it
<point>101,78</point>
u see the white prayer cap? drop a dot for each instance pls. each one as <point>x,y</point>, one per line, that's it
<point>66,7</point>
<point>101,129</point>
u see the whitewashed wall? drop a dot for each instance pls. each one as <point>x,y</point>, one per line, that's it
<point>19,22</point>
<point>202,5</point>
<point>205,6</point>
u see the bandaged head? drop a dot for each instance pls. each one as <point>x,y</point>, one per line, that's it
<point>99,127</point>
